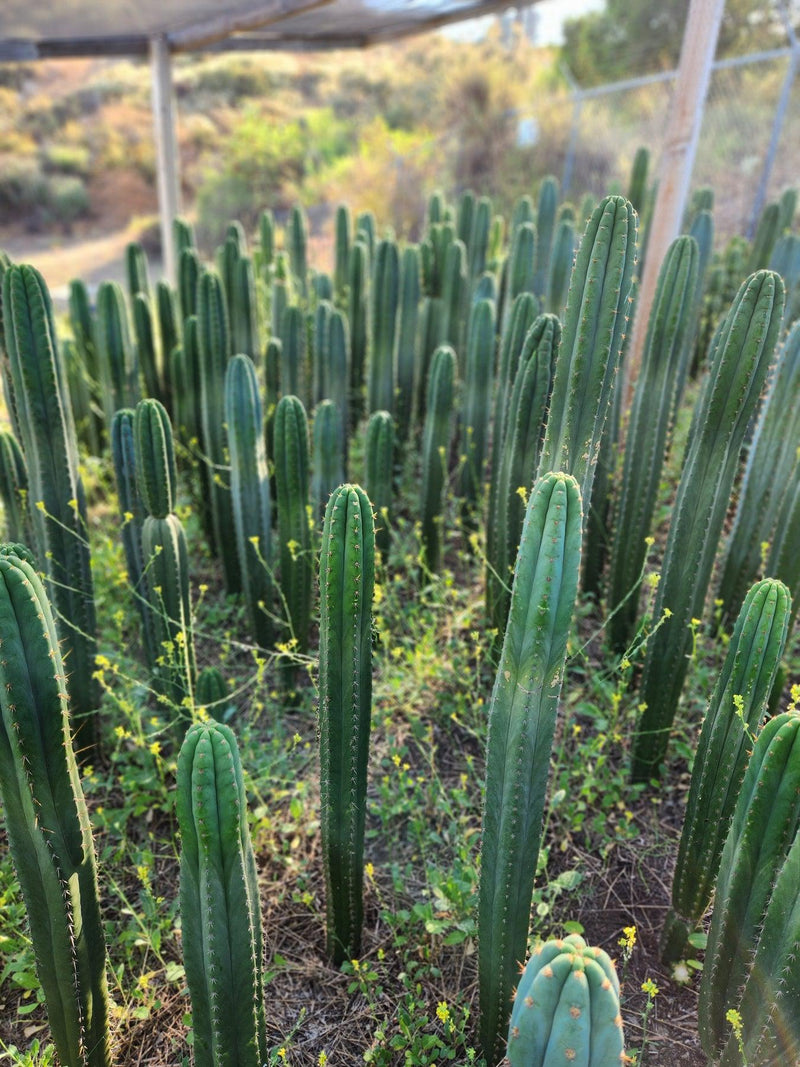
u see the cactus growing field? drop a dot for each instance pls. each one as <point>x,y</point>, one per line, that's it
<point>362,636</point>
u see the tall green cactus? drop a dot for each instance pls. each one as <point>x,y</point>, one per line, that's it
<point>165,556</point>
<point>56,494</point>
<point>385,302</point>
<point>156,474</point>
<point>594,330</point>
<point>294,361</point>
<point>294,535</point>
<point>213,344</point>
<point>455,299</point>
<point>14,489</point>
<point>560,267</point>
<point>740,364</point>
<point>566,1008</point>
<point>545,232</point>
<point>116,355</point>
<point>768,477</point>
<point>667,338</point>
<point>132,516</point>
<point>327,458</point>
<point>244,319</point>
<point>343,239</point>
<point>734,714</point>
<point>435,448</point>
<point>765,824</point>
<point>146,351</point>
<point>379,455</point>
<point>297,247</point>
<point>520,453</point>
<point>522,717</point>
<point>346,578</point>
<point>769,1002</point>
<point>407,339</point>
<point>136,271</point>
<point>358,300</point>
<point>223,945</point>
<point>637,188</point>
<point>478,373</point>
<point>189,270</point>
<point>478,242</point>
<point>250,492</point>
<point>46,818</point>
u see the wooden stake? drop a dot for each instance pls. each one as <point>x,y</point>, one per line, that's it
<point>677,158</point>
<point>166,150</point>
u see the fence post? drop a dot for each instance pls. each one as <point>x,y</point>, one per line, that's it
<point>675,167</point>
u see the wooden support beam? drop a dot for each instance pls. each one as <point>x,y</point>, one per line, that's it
<point>208,31</point>
<point>166,150</point>
<point>677,156</point>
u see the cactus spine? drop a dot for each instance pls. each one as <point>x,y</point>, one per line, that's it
<point>591,342</point>
<point>48,826</point>
<point>646,444</point>
<point>58,503</point>
<point>347,570</point>
<point>739,370</point>
<point>435,449</point>
<point>734,713</point>
<point>521,723</point>
<point>250,492</point>
<point>222,939</point>
<point>764,826</point>
<point>566,1008</point>
<point>380,473</point>
<point>294,535</point>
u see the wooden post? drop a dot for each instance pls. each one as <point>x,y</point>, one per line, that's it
<point>166,149</point>
<point>677,157</point>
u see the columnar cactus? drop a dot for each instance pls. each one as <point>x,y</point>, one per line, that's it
<point>244,321</point>
<point>545,232</point>
<point>768,477</point>
<point>346,577</point>
<point>116,355</point>
<point>166,558</point>
<point>327,460</point>
<point>294,362</point>
<point>594,329</point>
<point>297,247</point>
<point>737,706</point>
<point>213,343</point>
<point>212,694</point>
<point>57,501</point>
<point>379,455</point>
<point>566,1008</point>
<point>435,450</point>
<point>455,299</point>
<point>637,188</point>
<point>46,818</point>
<point>764,827</point>
<point>294,535</point>
<point>250,492</point>
<point>520,452</point>
<point>668,337</point>
<point>385,302</point>
<point>740,364</point>
<point>146,353</point>
<point>136,271</point>
<point>522,717</point>
<point>222,939</point>
<point>474,422</point>
<point>342,242</point>
<point>478,243</point>
<point>406,340</point>
<point>14,489</point>
<point>132,516</point>
<point>358,298</point>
